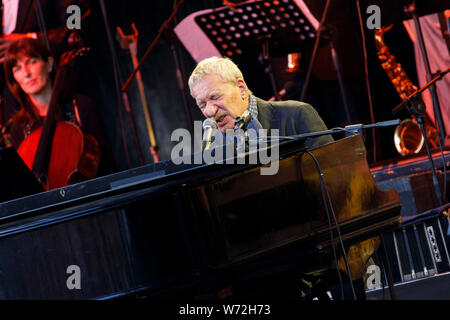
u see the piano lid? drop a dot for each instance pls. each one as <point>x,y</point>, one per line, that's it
<point>156,176</point>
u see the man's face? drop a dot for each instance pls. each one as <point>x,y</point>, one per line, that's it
<point>221,100</point>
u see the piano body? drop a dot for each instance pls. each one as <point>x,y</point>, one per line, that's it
<point>162,230</point>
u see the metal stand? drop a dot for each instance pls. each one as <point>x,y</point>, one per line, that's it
<point>162,29</point>
<point>129,110</point>
<point>170,36</point>
<point>326,33</point>
<point>264,60</point>
<point>412,108</point>
<point>130,43</point>
<point>338,69</point>
<point>437,188</point>
<point>251,29</point>
<point>385,261</point>
<point>411,11</point>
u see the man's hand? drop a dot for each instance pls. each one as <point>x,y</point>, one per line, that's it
<point>7,39</point>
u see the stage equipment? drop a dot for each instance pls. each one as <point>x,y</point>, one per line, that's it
<point>130,43</point>
<point>411,10</point>
<point>397,11</point>
<point>190,231</point>
<point>163,29</point>
<point>293,64</point>
<point>418,110</point>
<point>253,30</point>
<point>285,24</point>
<point>408,137</point>
<point>418,250</point>
<point>122,97</point>
<point>412,177</point>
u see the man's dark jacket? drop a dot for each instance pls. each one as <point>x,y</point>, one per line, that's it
<point>293,118</point>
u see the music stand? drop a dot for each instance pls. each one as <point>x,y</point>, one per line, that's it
<point>16,179</point>
<point>242,31</point>
<point>252,30</point>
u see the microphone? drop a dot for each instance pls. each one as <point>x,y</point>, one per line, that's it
<point>242,121</point>
<point>209,125</point>
<point>288,88</point>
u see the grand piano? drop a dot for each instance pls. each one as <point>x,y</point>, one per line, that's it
<point>193,231</point>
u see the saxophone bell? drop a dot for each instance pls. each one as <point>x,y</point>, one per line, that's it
<point>408,138</point>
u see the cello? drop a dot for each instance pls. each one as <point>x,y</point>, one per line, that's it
<point>59,153</point>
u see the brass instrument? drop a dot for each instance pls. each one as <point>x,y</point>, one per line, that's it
<point>408,138</point>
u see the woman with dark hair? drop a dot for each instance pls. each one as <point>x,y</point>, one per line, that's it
<point>29,70</point>
<point>28,67</point>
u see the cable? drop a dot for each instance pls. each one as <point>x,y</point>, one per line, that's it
<point>366,75</point>
<point>383,277</point>
<point>330,228</point>
<point>324,191</point>
<point>444,192</point>
<point>444,167</point>
<point>328,205</point>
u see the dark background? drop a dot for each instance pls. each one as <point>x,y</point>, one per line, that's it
<point>165,98</point>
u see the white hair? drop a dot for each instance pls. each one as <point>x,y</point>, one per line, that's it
<point>223,67</point>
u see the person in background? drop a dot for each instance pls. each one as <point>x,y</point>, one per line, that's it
<point>29,68</point>
<point>43,20</point>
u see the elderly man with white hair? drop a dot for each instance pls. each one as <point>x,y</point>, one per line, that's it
<point>220,91</point>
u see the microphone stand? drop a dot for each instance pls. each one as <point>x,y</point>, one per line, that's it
<point>349,130</point>
<point>171,37</point>
<point>241,123</point>
<point>130,43</point>
<point>150,48</point>
<point>155,152</point>
<point>411,11</point>
<point>264,60</point>
<point>419,113</point>
<point>338,69</point>
<point>315,50</point>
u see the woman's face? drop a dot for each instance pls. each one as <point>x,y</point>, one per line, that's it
<point>32,74</point>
